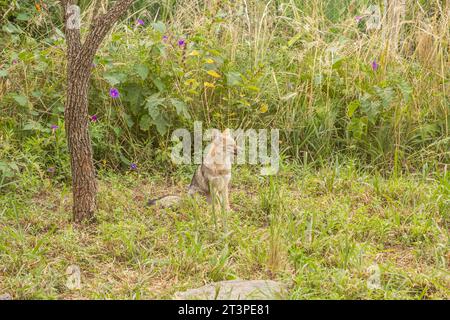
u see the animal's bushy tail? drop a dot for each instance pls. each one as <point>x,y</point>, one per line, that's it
<point>165,201</point>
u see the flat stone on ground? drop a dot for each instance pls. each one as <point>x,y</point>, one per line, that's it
<point>236,290</point>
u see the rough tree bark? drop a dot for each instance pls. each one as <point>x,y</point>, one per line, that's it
<point>80,57</point>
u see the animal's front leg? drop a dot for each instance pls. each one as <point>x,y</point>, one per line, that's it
<point>221,198</point>
<point>226,199</point>
<point>213,198</point>
<point>217,200</point>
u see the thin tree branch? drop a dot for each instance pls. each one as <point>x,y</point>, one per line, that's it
<point>100,28</point>
<point>95,11</point>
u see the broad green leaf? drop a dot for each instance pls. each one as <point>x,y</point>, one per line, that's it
<point>158,83</point>
<point>233,78</point>
<point>33,125</point>
<point>129,120</point>
<point>161,124</point>
<point>386,95</point>
<point>152,104</point>
<point>370,108</point>
<point>159,26</point>
<point>26,56</point>
<point>7,169</point>
<point>3,73</point>
<point>20,99</point>
<point>37,93</point>
<point>405,89</point>
<point>352,107</point>
<point>11,28</point>
<point>181,108</point>
<point>133,95</point>
<point>41,66</point>
<point>123,159</point>
<point>357,127</point>
<point>142,71</point>
<point>3,166</point>
<point>145,122</point>
<point>115,78</point>
<point>337,62</point>
<point>117,131</point>
<point>23,16</point>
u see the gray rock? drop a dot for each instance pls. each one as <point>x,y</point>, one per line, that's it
<point>236,290</point>
<point>5,296</point>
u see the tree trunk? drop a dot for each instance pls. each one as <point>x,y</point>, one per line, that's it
<point>80,57</point>
<point>84,184</point>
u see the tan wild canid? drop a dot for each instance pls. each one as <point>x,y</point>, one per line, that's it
<point>212,177</point>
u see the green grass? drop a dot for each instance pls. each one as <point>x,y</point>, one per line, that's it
<point>319,231</point>
<point>303,67</point>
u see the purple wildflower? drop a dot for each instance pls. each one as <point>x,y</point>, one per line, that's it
<point>181,43</point>
<point>165,38</point>
<point>114,93</point>
<point>93,65</point>
<point>133,166</point>
<point>14,61</point>
<point>54,127</point>
<point>140,22</point>
<point>358,18</point>
<point>51,170</point>
<point>375,65</point>
<point>93,118</point>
